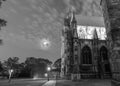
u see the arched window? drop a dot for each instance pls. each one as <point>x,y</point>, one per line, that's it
<point>105,60</point>
<point>86,55</point>
<point>103,53</point>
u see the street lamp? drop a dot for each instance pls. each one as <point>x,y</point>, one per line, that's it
<point>10,74</point>
<point>48,70</point>
<point>46,75</point>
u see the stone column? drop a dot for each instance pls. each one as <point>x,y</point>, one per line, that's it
<point>115,33</point>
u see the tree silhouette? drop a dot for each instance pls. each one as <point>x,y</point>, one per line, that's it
<point>1,1</point>
<point>2,21</point>
<point>34,66</point>
<point>11,63</point>
<point>1,68</point>
<point>57,65</point>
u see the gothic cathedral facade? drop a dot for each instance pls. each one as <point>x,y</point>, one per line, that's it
<point>85,49</point>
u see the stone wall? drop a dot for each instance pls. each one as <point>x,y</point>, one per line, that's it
<point>111,11</point>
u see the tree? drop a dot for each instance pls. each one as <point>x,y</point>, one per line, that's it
<point>35,66</point>
<point>2,21</point>
<point>1,1</point>
<point>57,63</point>
<point>1,68</point>
<point>46,61</point>
<point>11,63</point>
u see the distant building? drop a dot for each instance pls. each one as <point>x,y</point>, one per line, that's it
<point>85,47</point>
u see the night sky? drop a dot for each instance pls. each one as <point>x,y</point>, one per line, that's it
<point>34,26</point>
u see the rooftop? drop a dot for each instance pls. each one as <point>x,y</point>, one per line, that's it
<point>90,21</point>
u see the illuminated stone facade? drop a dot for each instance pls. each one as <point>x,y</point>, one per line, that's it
<point>85,48</point>
<point>111,13</point>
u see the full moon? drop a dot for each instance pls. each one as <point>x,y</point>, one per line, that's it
<point>45,44</point>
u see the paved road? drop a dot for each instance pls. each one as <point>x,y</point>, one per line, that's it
<point>88,82</point>
<point>23,82</point>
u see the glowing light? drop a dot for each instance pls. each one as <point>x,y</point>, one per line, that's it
<point>45,44</point>
<point>48,68</point>
<point>46,75</point>
<point>35,77</point>
<point>10,71</point>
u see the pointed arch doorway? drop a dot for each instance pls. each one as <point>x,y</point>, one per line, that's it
<point>104,64</point>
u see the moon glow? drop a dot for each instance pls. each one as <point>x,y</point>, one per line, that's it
<point>45,44</point>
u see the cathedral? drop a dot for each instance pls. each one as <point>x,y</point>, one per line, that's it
<point>85,48</point>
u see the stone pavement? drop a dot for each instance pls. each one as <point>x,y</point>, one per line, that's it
<point>50,83</point>
<point>85,82</point>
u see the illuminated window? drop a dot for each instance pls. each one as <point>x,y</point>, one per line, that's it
<point>86,32</point>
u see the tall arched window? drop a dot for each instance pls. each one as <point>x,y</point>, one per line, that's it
<point>86,55</point>
<point>104,58</point>
<point>103,53</point>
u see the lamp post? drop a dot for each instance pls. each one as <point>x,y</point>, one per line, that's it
<point>10,74</point>
<point>48,70</point>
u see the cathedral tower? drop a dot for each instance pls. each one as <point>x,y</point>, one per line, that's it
<point>67,42</point>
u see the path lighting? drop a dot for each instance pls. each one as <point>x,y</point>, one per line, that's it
<point>10,74</point>
<point>48,70</point>
<point>46,75</point>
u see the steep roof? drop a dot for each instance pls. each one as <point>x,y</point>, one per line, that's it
<point>90,21</point>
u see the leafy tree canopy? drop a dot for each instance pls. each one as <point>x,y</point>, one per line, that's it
<point>11,63</point>
<point>1,1</point>
<point>2,21</point>
<point>57,63</point>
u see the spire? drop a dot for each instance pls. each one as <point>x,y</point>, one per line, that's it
<point>73,19</point>
<point>74,24</point>
<point>67,17</point>
<point>95,35</point>
<point>75,34</point>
